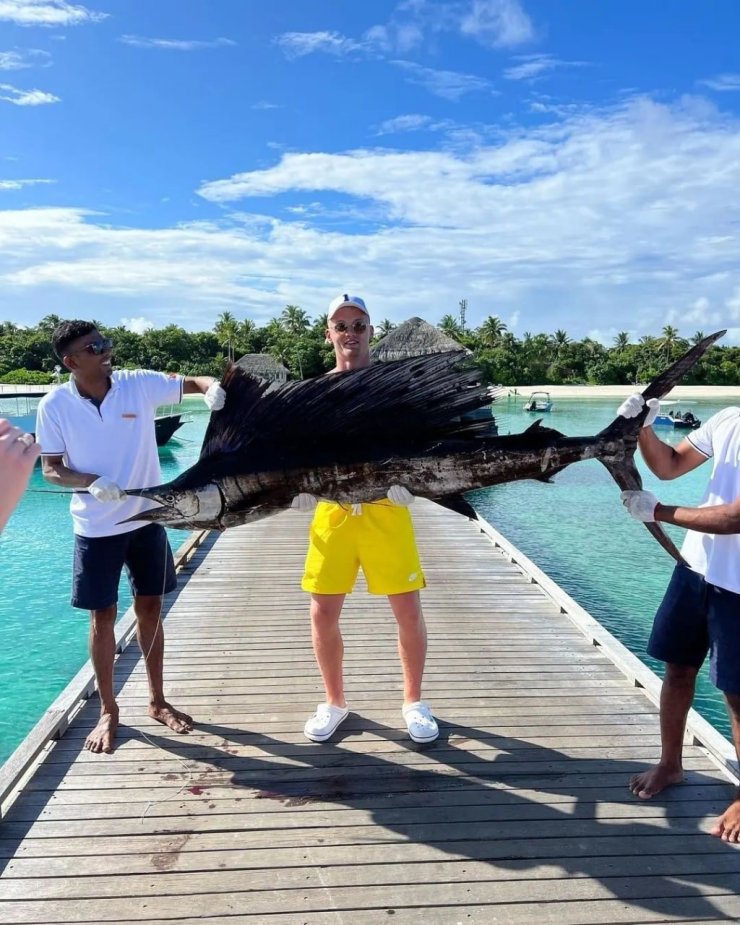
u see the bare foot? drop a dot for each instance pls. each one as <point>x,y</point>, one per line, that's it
<point>169,716</point>
<point>651,782</point>
<point>727,827</point>
<point>102,736</point>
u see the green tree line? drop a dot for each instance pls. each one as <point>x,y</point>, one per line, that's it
<point>298,342</point>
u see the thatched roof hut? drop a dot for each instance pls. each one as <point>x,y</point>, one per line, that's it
<point>414,337</point>
<point>264,366</point>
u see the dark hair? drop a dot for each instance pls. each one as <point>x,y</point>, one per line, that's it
<point>68,331</point>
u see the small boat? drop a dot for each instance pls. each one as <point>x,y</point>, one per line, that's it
<point>539,401</point>
<point>165,425</point>
<point>679,420</point>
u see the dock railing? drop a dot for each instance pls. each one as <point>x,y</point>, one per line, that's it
<point>698,730</point>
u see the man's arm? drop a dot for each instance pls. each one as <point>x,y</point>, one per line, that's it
<point>191,385</point>
<point>718,518</point>
<point>56,473</point>
<point>210,388</point>
<point>665,461</point>
<point>18,453</point>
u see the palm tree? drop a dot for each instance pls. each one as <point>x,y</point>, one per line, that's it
<point>698,337</point>
<point>451,326</point>
<point>385,327</point>
<point>560,339</point>
<point>295,319</point>
<point>227,331</point>
<point>491,330</point>
<point>669,339</point>
<point>622,340</point>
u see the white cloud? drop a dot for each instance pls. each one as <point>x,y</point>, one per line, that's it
<point>47,13</point>
<point>20,184</point>
<point>299,44</point>
<point>140,41</point>
<point>11,94</point>
<point>412,122</point>
<point>723,82</point>
<point>415,23</point>
<point>733,304</point>
<point>532,67</point>
<point>18,59</point>
<point>450,85</point>
<point>698,314</point>
<point>264,105</point>
<point>138,325</point>
<point>628,213</point>
<point>498,23</point>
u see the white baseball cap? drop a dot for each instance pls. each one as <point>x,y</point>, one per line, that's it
<point>346,301</point>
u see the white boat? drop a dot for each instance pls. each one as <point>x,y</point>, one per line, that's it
<point>538,401</point>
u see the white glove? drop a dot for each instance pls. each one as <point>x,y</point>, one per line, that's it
<point>304,502</point>
<point>632,406</point>
<point>640,504</point>
<point>215,397</point>
<point>399,495</point>
<point>104,489</point>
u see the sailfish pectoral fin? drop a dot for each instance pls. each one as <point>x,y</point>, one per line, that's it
<point>458,504</point>
<point>625,474</point>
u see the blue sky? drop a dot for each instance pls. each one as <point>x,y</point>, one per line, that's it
<point>561,165</point>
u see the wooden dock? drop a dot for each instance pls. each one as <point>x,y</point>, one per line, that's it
<point>520,813</point>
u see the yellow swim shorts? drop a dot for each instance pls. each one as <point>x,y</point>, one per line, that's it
<point>380,539</point>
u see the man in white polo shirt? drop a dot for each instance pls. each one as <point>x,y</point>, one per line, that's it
<point>97,433</point>
<point>700,612</point>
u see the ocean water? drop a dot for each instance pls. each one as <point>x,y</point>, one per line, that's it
<point>575,529</point>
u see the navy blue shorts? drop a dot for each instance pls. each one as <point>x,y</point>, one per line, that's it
<point>696,618</point>
<point>99,560</point>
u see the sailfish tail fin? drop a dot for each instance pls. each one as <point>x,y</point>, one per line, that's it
<point>625,431</point>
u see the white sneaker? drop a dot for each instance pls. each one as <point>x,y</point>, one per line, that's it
<point>323,724</point>
<point>422,726</point>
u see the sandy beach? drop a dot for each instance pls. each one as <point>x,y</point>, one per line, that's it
<point>718,393</point>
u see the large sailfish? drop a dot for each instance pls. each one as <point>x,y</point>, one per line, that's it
<point>348,436</point>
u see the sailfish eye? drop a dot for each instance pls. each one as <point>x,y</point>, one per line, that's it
<point>169,499</point>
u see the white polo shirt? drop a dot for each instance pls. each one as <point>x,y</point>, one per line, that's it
<point>715,556</point>
<point>116,440</point>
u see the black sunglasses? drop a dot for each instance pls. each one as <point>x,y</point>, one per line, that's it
<point>96,347</point>
<point>357,327</point>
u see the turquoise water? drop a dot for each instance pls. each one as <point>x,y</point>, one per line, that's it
<point>43,639</point>
<point>575,529</point>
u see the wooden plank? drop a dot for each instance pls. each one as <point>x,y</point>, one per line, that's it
<point>519,813</point>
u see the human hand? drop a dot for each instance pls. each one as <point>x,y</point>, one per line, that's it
<point>215,396</point>
<point>18,454</point>
<point>640,504</point>
<point>304,502</point>
<point>399,495</point>
<point>104,490</point>
<point>633,405</point>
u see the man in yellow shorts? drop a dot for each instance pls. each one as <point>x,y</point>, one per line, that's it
<point>379,537</point>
